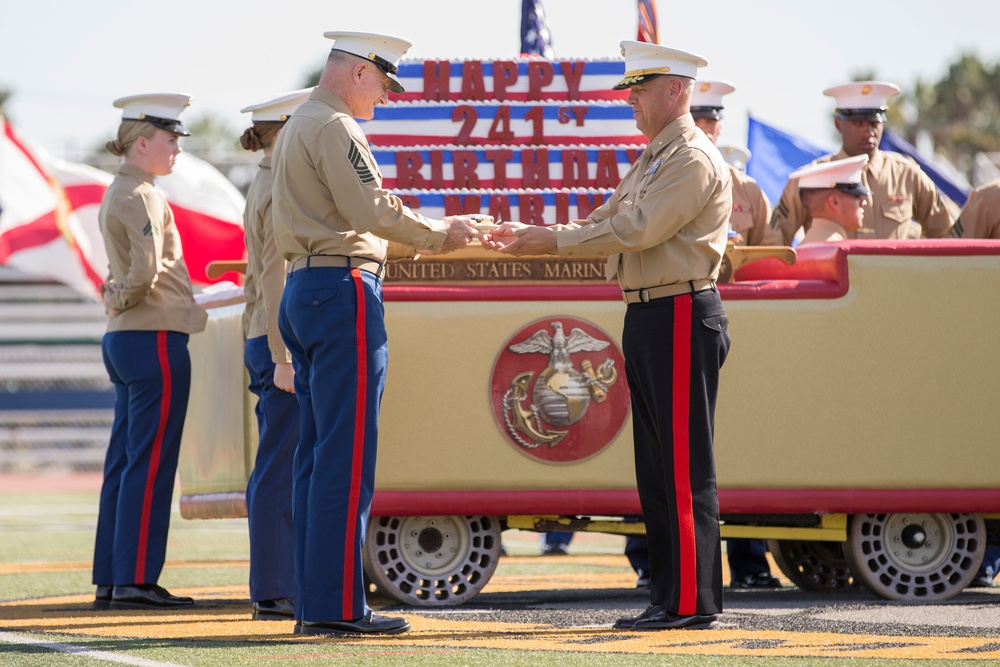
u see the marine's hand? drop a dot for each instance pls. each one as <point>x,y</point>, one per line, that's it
<point>531,240</point>
<point>107,293</point>
<point>461,230</point>
<point>284,377</point>
<point>502,235</point>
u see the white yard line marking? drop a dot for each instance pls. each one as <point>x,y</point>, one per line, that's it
<point>11,638</point>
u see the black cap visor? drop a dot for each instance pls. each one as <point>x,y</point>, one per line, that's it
<point>877,115</point>
<point>709,113</point>
<point>630,81</point>
<point>167,124</point>
<point>856,189</point>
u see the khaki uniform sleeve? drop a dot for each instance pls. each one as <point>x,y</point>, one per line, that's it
<point>789,215</point>
<point>272,284</point>
<point>399,251</point>
<point>346,165</point>
<point>928,208</point>
<point>761,233</point>
<point>676,195</point>
<point>980,217</point>
<point>141,218</point>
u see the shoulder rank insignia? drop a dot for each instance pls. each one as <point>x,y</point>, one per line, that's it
<point>148,229</point>
<point>653,166</point>
<point>361,167</point>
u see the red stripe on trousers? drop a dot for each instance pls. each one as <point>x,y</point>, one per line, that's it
<point>350,538</point>
<point>154,459</point>
<point>687,547</point>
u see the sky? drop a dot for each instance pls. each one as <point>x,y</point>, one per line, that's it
<point>65,61</point>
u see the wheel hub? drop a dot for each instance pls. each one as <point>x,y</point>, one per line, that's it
<point>431,560</point>
<point>916,556</point>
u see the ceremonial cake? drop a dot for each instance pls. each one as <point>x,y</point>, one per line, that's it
<point>527,139</point>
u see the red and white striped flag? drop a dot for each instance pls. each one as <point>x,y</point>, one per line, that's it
<point>49,214</point>
<point>48,225</point>
<point>208,211</point>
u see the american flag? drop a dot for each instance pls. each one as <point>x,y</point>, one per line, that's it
<point>648,31</point>
<point>535,37</point>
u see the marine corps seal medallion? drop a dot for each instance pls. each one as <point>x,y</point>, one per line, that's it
<point>558,390</point>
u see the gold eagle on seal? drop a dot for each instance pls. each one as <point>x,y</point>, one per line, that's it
<point>561,395</point>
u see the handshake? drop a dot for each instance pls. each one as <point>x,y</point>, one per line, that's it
<point>509,238</point>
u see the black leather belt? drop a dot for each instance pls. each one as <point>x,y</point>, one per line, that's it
<point>337,261</point>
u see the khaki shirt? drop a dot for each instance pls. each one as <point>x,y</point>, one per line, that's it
<point>328,195</point>
<point>751,215</point>
<point>822,230</point>
<point>265,277</point>
<point>901,193</point>
<point>145,261</point>
<point>666,222</point>
<point>980,217</point>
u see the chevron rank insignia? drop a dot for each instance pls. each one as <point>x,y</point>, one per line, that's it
<point>148,229</point>
<point>360,163</point>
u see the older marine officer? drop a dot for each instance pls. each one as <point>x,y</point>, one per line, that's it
<point>664,232</point>
<point>333,222</point>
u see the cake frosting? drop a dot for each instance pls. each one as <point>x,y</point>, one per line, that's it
<point>525,139</point>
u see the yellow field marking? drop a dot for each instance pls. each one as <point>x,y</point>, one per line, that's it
<point>223,614</point>
<point>221,618</point>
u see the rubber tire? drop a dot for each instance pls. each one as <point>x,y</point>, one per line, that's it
<point>916,557</point>
<point>431,561</point>
<point>814,566</point>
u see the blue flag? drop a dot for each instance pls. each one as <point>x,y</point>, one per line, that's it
<point>535,37</point>
<point>774,155</point>
<point>956,191</point>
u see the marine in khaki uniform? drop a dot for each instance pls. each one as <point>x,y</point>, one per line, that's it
<point>980,217</point>
<point>664,231</point>
<point>269,368</point>
<point>751,215</point>
<point>905,202</point>
<point>151,311</point>
<point>333,222</point>
<point>834,197</point>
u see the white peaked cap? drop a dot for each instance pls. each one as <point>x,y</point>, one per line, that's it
<point>706,100</point>
<point>160,109</point>
<point>279,109</point>
<point>710,93</point>
<point>644,60</point>
<point>840,174</point>
<point>863,100</point>
<point>736,156</point>
<point>383,50</point>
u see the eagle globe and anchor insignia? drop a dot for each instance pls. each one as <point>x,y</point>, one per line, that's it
<point>546,407</point>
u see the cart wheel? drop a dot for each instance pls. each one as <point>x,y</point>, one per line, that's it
<point>812,566</point>
<point>430,561</point>
<point>916,557</point>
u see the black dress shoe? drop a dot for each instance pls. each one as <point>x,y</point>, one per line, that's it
<point>147,596</point>
<point>369,624</point>
<point>657,618</point>
<point>102,598</point>
<point>626,622</point>
<point>281,609</point>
